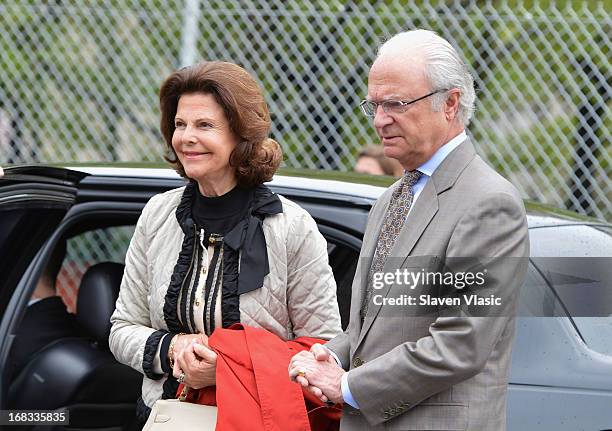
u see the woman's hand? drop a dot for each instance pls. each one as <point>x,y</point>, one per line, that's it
<point>199,363</point>
<point>184,341</point>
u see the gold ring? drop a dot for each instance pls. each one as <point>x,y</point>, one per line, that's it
<point>301,372</point>
<point>181,377</point>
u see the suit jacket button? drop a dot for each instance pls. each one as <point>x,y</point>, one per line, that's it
<point>386,415</point>
<point>357,362</point>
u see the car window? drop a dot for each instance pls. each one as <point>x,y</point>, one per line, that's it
<point>86,249</point>
<point>537,299</point>
<point>576,261</point>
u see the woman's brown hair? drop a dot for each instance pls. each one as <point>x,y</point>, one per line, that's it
<point>256,157</point>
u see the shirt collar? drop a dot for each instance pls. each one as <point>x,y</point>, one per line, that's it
<point>429,167</point>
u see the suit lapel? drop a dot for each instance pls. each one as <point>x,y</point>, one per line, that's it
<point>366,255</point>
<point>423,212</point>
<point>370,238</point>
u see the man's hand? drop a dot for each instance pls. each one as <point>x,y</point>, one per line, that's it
<point>318,372</point>
<point>320,352</point>
<point>198,363</point>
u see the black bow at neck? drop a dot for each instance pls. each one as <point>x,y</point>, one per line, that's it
<point>247,236</point>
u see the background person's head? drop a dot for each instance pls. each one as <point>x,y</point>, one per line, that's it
<point>215,123</point>
<point>371,160</point>
<point>409,66</point>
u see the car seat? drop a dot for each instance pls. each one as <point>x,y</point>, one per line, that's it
<point>81,374</point>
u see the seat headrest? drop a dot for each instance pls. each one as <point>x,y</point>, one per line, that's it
<point>96,299</point>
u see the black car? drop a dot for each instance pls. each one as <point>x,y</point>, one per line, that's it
<point>561,376</point>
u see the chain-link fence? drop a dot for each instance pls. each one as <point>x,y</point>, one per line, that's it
<point>79,80</point>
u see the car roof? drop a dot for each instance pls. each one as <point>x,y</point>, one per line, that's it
<point>352,189</point>
<point>347,184</point>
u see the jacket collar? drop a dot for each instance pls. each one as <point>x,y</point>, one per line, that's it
<point>247,236</point>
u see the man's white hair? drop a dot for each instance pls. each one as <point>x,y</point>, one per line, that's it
<point>443,67</point>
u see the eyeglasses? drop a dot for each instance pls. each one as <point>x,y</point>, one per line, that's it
<point>392,106</point>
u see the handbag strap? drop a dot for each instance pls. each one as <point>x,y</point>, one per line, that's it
<point>184,393</point>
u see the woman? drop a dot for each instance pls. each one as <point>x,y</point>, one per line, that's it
<point>224,249</point>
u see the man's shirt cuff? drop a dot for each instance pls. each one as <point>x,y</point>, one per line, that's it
<point>335,357</point>
<point>346,392</point>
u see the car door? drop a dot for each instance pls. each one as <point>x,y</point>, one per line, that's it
<point>33,201</point>
<point>561,375</point>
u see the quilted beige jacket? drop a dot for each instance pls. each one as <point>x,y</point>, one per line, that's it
<point>298,296</point>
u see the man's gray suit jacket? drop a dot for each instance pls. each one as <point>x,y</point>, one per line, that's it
<point>437,371</point>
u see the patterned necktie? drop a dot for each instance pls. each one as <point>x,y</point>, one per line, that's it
<point>400,203</point>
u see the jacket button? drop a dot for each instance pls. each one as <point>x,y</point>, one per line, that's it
<point>357,362</point>
<point>386,415</point>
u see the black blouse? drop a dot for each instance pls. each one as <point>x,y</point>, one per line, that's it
<point>219,214</point>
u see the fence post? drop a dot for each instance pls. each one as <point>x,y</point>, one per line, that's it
<point>189,38</point>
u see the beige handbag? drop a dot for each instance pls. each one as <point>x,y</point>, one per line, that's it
<point>173,415</point>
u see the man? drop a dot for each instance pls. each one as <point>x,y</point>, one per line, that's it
<point>443,368</point>
<point>46,318</point>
